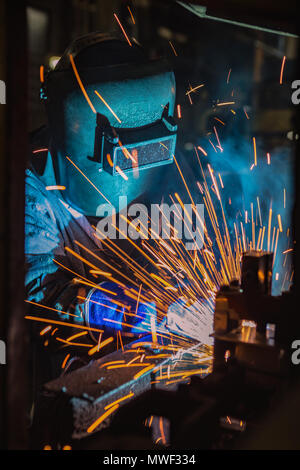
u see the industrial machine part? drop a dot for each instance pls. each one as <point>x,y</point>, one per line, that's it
<point>249,323</point>
<point>252,369</point>
<point>267,17</point>
<point>84,395</point>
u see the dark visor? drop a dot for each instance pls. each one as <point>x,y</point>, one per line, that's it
<point>118,149</point>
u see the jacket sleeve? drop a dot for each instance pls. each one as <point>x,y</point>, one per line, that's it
<point>52,272</point>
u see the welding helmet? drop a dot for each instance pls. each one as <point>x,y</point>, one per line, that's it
<point>110,113</point>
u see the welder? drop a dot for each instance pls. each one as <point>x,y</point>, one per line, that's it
<point>110,133</point>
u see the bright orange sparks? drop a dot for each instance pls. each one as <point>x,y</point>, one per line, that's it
<point>132,17</point>
<point>102,418</point>
<point>121,172</point>
<point>92,184</point>
<point>282,68</point>
<point>65,361</point>
<point>131,394</point>
<point>81,84</point>
<point>123,30</point>
<point>100,346</point>
<point>173,48</point>
<point>143,371</point>
<point>42,74</point>
<point>107,105</point>
<point>52,188</point>
<point>255,153</point>
<point>179,111</point>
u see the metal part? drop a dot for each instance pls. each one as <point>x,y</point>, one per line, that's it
<point>251,369</point>
<point>246,314</point>
<point>201,12</point>
<point>257,272</point>
<point>83,394</point>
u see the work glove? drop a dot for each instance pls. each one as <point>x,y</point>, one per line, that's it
<point>109,307</point>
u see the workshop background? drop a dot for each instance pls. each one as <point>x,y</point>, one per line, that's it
<point>202,51</point>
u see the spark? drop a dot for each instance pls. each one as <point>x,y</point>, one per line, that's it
<point>184,373</point>
<point>282,68</point>
<point>125,177</point>
<point>136,358</point>
<point>179,111</point>
<point>92,184</point>
<point>126,397</point>
<point>269,227</point>
<point>68,343</point>
<point>228,76</point>
<point>78,335</point>
<point>102,418</point>
<point>153,329</point>
<point>42,74</point>
<point>173,49</point>
<point>110,162</point>
<point>132,17</point>
<point>226,103</point>
<point>279,223</point>
<point>50,308</point>
<point>57,322</point>
<point>123,30</point>
<point>112,362</point>
<point>212,145</point>
<point>192,90</point>
<point>217,136</point>
<point>121,342</point>
<point>120,366</point>
<point>40,150</point>
<point>65,361</point>
<point>246,113</point>
<point>255,152</point>
<point>276,243</point>
<point>259,212</point>
<point>202,150</point>
<point>100,273</point>
<point>143,371</point>
<point>81,84</point>
<point>221,181</point>
<point>219,120</point>
<point>107,105</point>
<point>100,346</point>
<point>138,299</point>
<point>52,188</point>
<point>45,330</point>
<point>161,427</point>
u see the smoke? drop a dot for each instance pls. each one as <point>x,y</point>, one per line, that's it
<point>265,186</point>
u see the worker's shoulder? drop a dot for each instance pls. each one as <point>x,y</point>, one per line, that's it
<point>33,181</point>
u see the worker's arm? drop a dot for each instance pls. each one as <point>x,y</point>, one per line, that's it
<point>57,267</point>
<point>59,253</point>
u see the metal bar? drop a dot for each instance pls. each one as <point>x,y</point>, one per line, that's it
<point>200,11</point>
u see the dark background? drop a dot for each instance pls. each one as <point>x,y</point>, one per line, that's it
<point>34,33</point>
